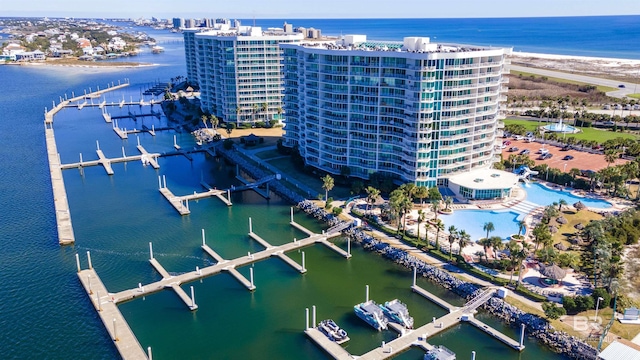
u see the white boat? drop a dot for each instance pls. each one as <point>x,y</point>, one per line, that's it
<point>157,49</point>
<point>370,312</point>
<point>440,353</point>
<point>333,331</point>
<point>397,312</point>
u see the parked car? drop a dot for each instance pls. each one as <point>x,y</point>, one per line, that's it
<point>568,157</point>
<point>507,142</point>
<point>525,152</point>
<point>566,148</point>
<point>513,149</point>
<point>621,86</point>
<point>518,137</point>
<point>545,156</point>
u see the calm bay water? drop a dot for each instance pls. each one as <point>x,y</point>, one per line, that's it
<point>44,313</point>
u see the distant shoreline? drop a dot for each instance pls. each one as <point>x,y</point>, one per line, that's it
<point>89,65</point>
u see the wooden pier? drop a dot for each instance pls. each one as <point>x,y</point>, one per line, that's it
<point>61,204</point>
<point>433,298</point>
<point>419,336</point>
<point>181,203</point>
<point>112,319</point>
<point>220,266</point>
<point>105,162</point>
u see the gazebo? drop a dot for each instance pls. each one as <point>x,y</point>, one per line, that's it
<point>554,274</point>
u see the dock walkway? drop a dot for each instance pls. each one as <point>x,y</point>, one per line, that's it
<point>115,324</point>
<point>221,265</point>
<point>105,162</point>
<point>60,201</point>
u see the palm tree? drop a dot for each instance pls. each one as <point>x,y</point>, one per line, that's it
<point>516,255</point>
<point>541,234</point>
<point>435,207</point>
<point>521,227</point>
<point>327,185</point>
<point>561,203</point>
<point>238,111</point>
<point>496,245</point>
<point>610,156</point>
<point>488,227</point>
<point>439,226</point>
<point>213,120</point>
<point>264,107</point>
<point>204,119</point>
<point>400,204</point>
<point>486,244</point>
<point>448,200</point>
<point>372,196</point>
<point>279,111</point>
<point>453,236</point>
<point>254,111</point>
<point>464,240</point>
<point>422,216</point>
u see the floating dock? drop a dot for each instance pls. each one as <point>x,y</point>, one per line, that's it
<point>61,204</point>
<point>112,319</point>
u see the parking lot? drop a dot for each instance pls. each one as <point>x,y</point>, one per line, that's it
<point>581,160</point>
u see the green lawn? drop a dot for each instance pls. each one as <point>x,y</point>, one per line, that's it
<point>289,170</point>
<point>604,89</point>
<point>590,134</point>
<point>635,96</point>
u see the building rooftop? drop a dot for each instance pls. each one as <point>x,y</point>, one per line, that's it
<point>409,44</point>
<point>484,179</point>
<point>621,349</point>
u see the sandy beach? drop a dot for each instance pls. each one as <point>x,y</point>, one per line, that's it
<point>620,68</point>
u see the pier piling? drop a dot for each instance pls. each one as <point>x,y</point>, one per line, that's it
<point>115,330</point>
<point>349,247</point>
<point>303,268</point>
<point>89,260</point>
<point>149,355</point>
<point>80,159</point>
<point>78,262</point>
<point>292,214</point>
<point>193,298</point>
<point>473,355</point>
<point>367,293</point>
<point>159,182</point>
<point>150,251</point>
<point>522,336</point>
<point>203,239</point>
<point>251,277</point>
<point>250,227</point>
<point>415,271</point>
<point>97,145</point>
<point>306,310</point>
<point>313,314</point>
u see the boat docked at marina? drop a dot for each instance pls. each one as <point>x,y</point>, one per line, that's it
<point>370,312</point>
<point>333,331</point>
<point>397,312</point>
<point>440,353</point>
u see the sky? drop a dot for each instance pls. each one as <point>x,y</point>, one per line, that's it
<point>296,9</point>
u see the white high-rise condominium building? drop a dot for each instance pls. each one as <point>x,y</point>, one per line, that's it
<point>239,71</point>
<point>416,111</point>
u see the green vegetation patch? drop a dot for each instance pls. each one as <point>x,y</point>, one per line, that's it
<point>561,80</point>
<point>590,134</point>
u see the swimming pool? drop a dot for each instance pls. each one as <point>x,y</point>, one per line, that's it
<point>544,196</point>
<point>472,221</point>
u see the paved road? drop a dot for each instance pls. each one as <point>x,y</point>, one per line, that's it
<point>630,88</point>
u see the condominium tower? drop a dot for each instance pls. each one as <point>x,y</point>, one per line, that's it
<point>414,110</point>
<point>239,71</point>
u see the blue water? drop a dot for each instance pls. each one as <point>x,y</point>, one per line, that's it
<point>544,196</point>
<point>599,36</point>
<point>472,221</point>
<point>562,128</point>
